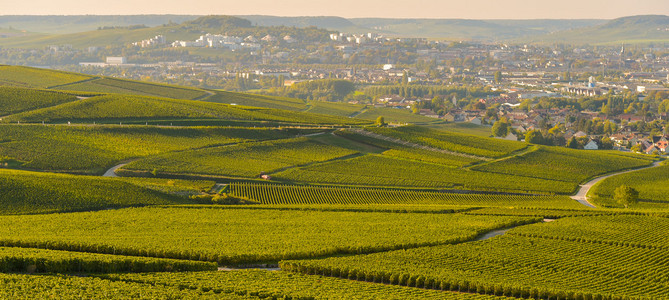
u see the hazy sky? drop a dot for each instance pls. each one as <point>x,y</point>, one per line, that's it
<point>470,9</point>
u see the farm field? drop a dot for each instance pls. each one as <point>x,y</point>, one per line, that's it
<point>652,184</point>
<point>36,192</point>
<point>117,108</point>
<point>350,210</point>
<point>294,286</point>
<point>451,141</point>
<point>250,236</point>
<point>257,100</point>
<point>512,265</point>
<point>121,86</point>
<point>93,149</point>
<point>564,164</point>
<point>295,194</point>
<point>243,160</point>
<point>25,77</point>
<point>14,100</point>
<point>378,170</point>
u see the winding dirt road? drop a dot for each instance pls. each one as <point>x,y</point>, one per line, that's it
<point>582,197</point>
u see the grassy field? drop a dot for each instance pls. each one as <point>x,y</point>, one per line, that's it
<point>250,236</point>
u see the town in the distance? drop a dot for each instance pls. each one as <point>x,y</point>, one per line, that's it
<point>580,93</point>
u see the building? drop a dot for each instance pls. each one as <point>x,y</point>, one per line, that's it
<point>591,145</point>
<point>116,60</point>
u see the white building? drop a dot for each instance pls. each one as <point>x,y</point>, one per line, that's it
<point>116,60</point>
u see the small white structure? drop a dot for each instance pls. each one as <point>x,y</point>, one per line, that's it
<point>591,145</point>
<point>116,60</point>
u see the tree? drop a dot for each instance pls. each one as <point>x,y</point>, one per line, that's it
<point>380,121</point>
<point>572,143</point>
<point>498,77</point>
<point>534,137</point>
<point>501,128</point>
<point>626,195</point>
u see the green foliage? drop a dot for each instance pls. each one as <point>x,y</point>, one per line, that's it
<point>13,100</point>
<point>380,121</point>
<point>36,78</point>
<point>242,160</point>
<point>557,163</point>
<point>534,137</point>
<point>282,285</point>
<point>293,194</point>
<point>626,195</point>
<point>241,236</point>
<point>34,192</point>
<point>377,170</point>
<point>394,115</point>
<point>334,108</point>
<point>93,149</point>
<point>501,128</point>
<point>321,90</point>
<point>130,87</point>
<point>651,184</point>
<point>528,260</point>
<point>54,261</point>
<point>451,141</point>
<point>258,101</point>
<point>21,286</point>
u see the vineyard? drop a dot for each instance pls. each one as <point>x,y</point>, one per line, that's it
<point>115,108</point>
<point>243,160</point>
<point>13,100</point>
<point>250,236</point>
<point>280,285</point>
<point>93,149</point>
<point>651,184</point>
<point>513,266</point>
<point>22,286</point>
<point>32,192</point>
<point>557,163</point>
<point>25,77</point>
<point>293,194</point>
<point>334,108</point>
<point>257,101</point>
<point>122,86</point>
<point>55,261</point>
<point>394,115</point>
<point>378,170</point>
<point>451,141</point>
<point>347,209</point>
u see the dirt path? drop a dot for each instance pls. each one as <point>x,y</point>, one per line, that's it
<point>112,171</point>
<point>582,195</point>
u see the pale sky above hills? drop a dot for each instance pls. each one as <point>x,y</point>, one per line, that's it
<point>468,9</point>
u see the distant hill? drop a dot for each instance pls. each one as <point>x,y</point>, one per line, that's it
<point>630,30</point>
<point>189,30</point>
<point>73,24</point>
